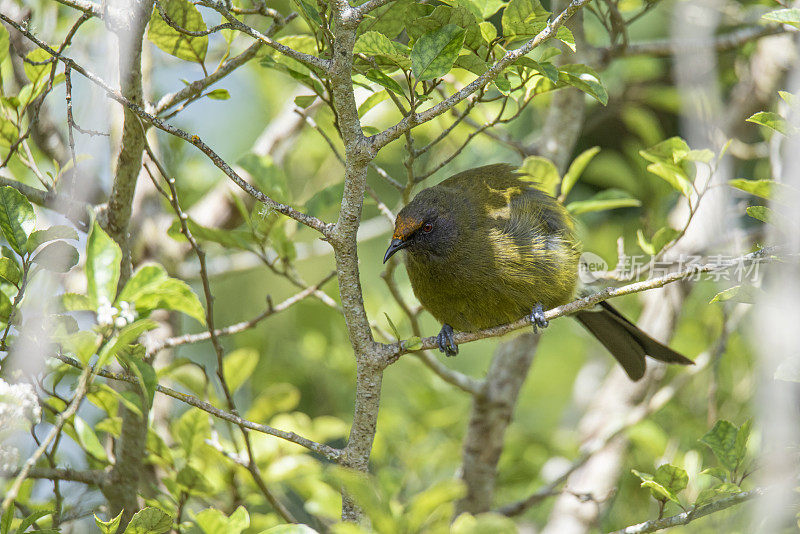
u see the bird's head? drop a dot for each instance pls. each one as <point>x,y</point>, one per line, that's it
<point>429,226</point>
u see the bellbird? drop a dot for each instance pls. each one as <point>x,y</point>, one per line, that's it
<point>485,247</point>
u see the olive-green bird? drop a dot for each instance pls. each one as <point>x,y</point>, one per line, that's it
<point>485,247</point>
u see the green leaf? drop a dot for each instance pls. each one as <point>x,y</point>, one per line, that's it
<point>193,481</point>
<point>383,80</point>
<point>576,169</point>
<point>110,526</point>
<point>371,101</point>
<point>219,94</point>
<point>759,188</point>
<point>76,302</point>
<point>773,121</point>
<point>435,52</point>
<point>9,271</point>
<point>16,218</point>
<point>644,244</point>
<point>762,213</point>
<point>58,257</point>
<point>604,200</point>
<point>741,293</point>
<point>488,31</point>
<point>9,133</point>
<point>103,257</point>
<point>523,19</point>
<point>564,35</point>
<point>150,288</point>
<point>226,238</point>
<point>674,175</point>
<point>543,172</point>
<point>424,504</point>
<point>213,521</point>
<point>124,337</point>
<point>722,441</point>
<point>5,307</point>
<point>672,150</point>
<point>38,74</point>
<point>4,41</point>
<point>33,518</point>
<point>584,78</point>
<point>784,16</point>
<point>5,522</point>
<point>184,14</point>
<point>191,430</point>
<point>149,521</point>
<point>88,439</point>
<point>492,522</point>
<point>57,231</point>
<point>304,101</point>
<point>238,366</point>
<point>716,472</point>
<point>789,98</point>
<point>376,44</point>
<point>662,237</point>
<point>671,477</point>
<point>290,529</point>
<point>83,345</point>
<point>148,380</point>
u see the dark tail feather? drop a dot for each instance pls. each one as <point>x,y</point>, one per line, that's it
<point>625,341</point>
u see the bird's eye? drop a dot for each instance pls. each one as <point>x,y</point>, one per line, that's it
<point>427,227</point>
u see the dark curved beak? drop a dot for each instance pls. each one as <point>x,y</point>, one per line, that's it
<point>394,246</point>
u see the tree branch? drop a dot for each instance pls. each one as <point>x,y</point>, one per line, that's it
<point>326,451</point>
<point>306,59</point>
<point>695,513</point>
<point>92,477</point>
<point>244,325</point>
<point>720,43</point>
<point>308,220</point>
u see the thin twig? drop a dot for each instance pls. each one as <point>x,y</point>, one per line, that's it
<point>308,220</point>
<point>695,513</point>
<point>326,451</point>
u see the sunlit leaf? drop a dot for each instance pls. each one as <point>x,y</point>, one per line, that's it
<point>110,526</point>
<point>89,440</point>
<point>773,121</point>
<point>184,14</point>
<point>604,200</point>
<point>103,257</point>
<point>523,19</point>
<point>57,231</point>
<point>213,521</point>
<point>16,218</point>
<point>149,521</point>
<point>238,366</point>
<point>576,169</point>
<point>759,188</point>
<point>9,271</point>
<point>784,16</point>
<point>722,441</point>
<point>434,53</point>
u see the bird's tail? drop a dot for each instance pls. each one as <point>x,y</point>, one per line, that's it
<point>625,341</point>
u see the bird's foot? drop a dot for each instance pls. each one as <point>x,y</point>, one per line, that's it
<point>446,342</point>
<point>538,319</point>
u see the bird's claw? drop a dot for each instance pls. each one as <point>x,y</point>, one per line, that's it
<point>537,318</point>
<point>446,342</point>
